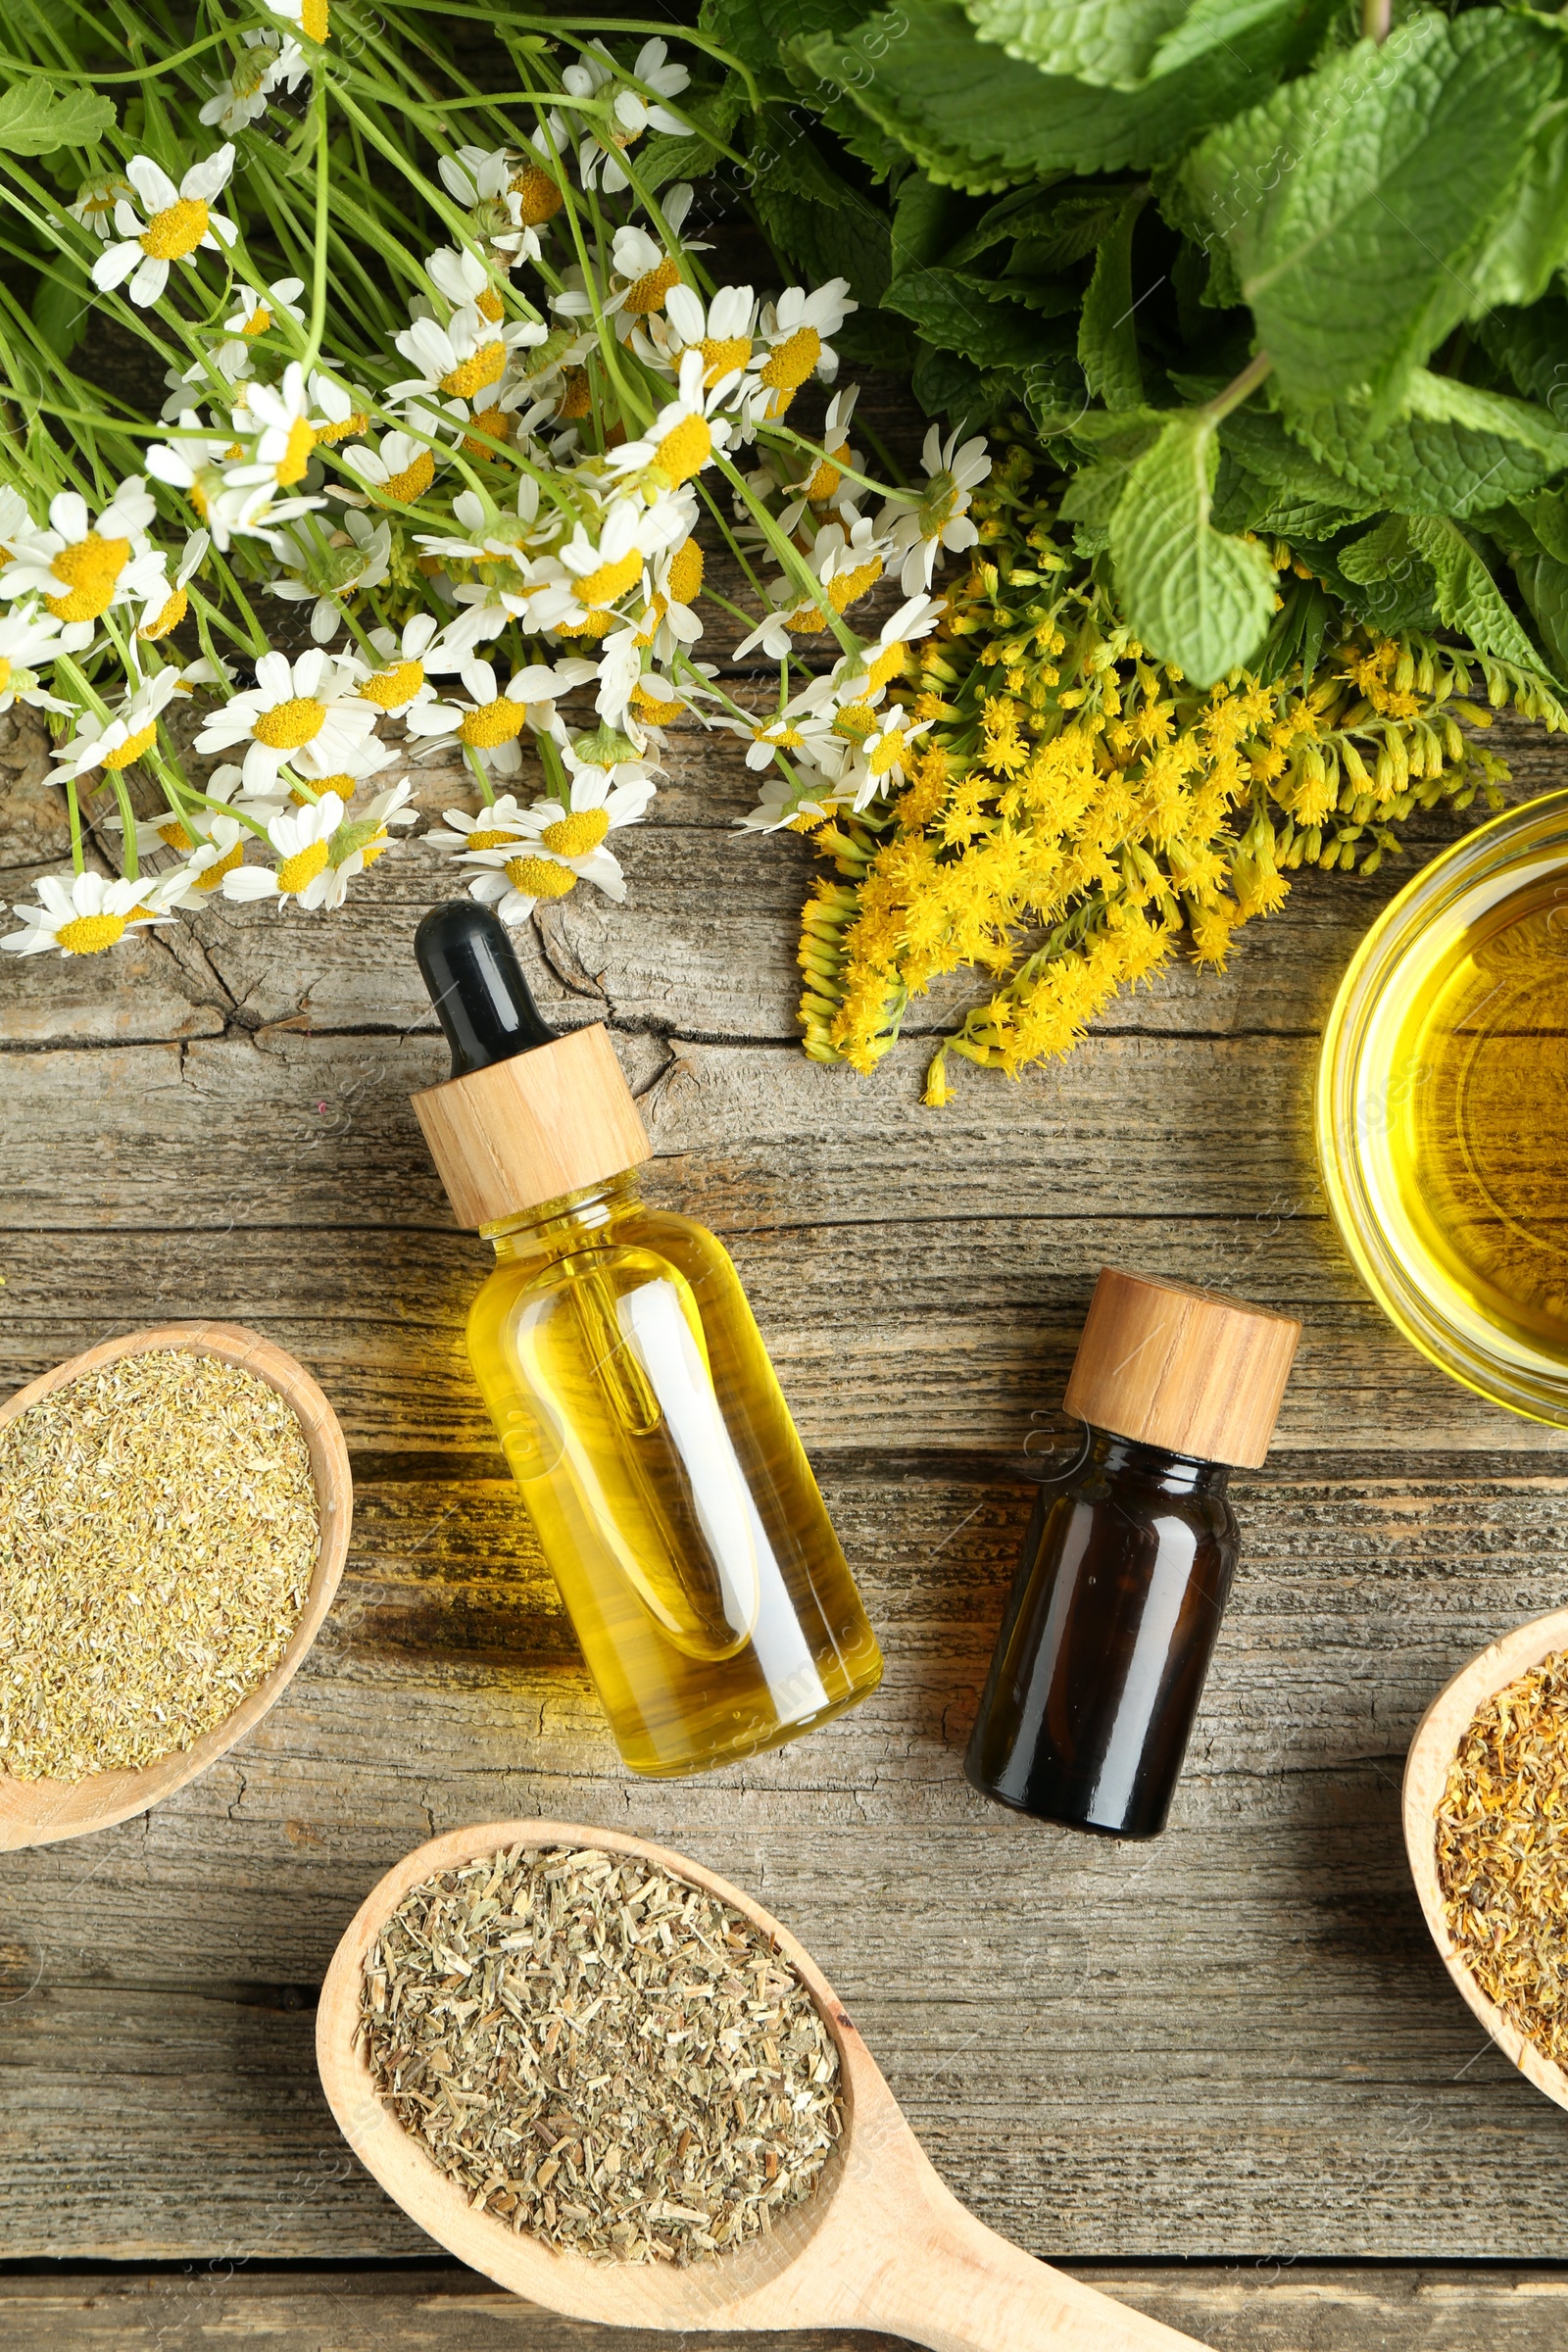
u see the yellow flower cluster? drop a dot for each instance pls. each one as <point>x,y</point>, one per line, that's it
<point>1077,809</point>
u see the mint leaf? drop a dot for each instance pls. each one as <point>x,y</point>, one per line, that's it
<point>1108,330</point>
<point>1108,43</point>
<point>1214,23</point>
<point>1356,200</point>
<point>1466,594</point>
<point>1531,348</point>
<point>1386,581</point>
<point>1544,584</point>
<point>1195,597</point>
<point>955,318</point>
<point>1530,240</point>
<point>36,119</point>
<point>973,118</point>
<point>1457,450</point>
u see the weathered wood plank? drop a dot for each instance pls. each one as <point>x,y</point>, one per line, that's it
<point>1269,2308</point>
<point>1233,2040</point>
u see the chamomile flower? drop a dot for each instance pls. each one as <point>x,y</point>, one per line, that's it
<point>259,311</point>
<point>28,637</point>
<point>118,742</point>
<point>879,760</point>
<point>795,335</point>
<point>464,357</point>
<point>361,840</point>
<point>410,663</point>
<point>596,570</point>
<point>721,330</point>
<point>180,223</point>
<point>458,276</point>
<point>401,469</point>
<point>324,568</point>
<point>219,850</point>
<point>599,801</point>
<point>166,609</point>
<point>97,200</point>
<point>795,730</point>
<point>311,16</point>
<point>285,434</point>
<point>494,716</point>
<point>340,412</point>
<point>497,826</point>
<point>83,914</point>
<point>311,704</point>
<point>864,677</point>
<point>299,840</point>
<point>824,490</point>
<point>571,835</point>
<point>269,62</point>
<point>683,436</point>
<point>521,879</point>
<point>83,565</point>
<point>938,522</point>
<point>596,76</point>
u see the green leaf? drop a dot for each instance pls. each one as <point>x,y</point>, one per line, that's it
<point>1195,597</point>
<point>1530,241</point>
<point>1294,475</point>
<point>955,318</point>
<point>35,118</point>
<point>1466,594</point>
<point>1547,517</point>
<point>974,118</point>
<point>1457,451</point>
<point>1531,348</point>
<point>1107,331</point>
<point>1063,227</point>
<point>1385,579</point>
<point>1356,200</point>
<point>1051,298</point>
<point>60,314</point>
<point>823,225</point>
<point>1108,43</point>
<point>1544,584</point>
<point>1214,23</point>
<point>672,155</point>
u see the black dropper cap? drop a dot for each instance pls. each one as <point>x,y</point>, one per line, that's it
<point>471,968</point>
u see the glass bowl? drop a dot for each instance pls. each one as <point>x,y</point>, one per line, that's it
<point>1504,1077</point>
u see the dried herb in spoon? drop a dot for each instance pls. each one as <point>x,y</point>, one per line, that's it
<point>601,2055</point>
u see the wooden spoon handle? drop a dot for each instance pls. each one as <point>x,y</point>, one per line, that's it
<point>957,2286</point>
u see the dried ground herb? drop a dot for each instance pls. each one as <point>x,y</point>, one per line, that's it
<point>1502,1853</point>
<point>601,2055</point>
<point>157,1534</point>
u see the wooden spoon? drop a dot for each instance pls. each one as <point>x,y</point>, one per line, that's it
<point>1426,1776</point>
<point>883,2243</point>
<point>40,1812</point>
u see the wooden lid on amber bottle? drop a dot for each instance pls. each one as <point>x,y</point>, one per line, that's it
<point>533,1128</point>
<point>526,1116</point>
<point>1195,1371</point>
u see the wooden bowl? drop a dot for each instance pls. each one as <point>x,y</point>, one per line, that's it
<point>41,1812</point>
<point>883,2243</point>
<point>1426,1775</point>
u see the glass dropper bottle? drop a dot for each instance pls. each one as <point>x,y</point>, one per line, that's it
<point>634,1398</point>
<point>1127,1565</point>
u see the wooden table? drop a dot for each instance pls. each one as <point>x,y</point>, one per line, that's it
<point>1223,2073</point>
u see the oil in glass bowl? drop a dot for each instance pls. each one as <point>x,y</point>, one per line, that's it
<point>1442,1109</point>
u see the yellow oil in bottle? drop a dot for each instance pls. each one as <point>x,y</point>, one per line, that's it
<point>1463,1116</point>
<point>672,1498</point>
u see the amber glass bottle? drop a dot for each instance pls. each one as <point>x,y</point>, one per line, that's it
<point>1126,1567</point>
<point>633,1394</point>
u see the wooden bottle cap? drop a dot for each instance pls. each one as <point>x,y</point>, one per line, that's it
<point>533,1128</point>
<point>1195,1371</point>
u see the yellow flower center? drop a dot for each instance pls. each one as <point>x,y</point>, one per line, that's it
<point>824,482</point>
<point>537,878</point>
<point>177,230</point>
<point>888,753</point>
<point>609,581</point>
<point>489,836</point>
<point>500,722</point>
<point>576,400</point>
<point>343,785</point>
<point>592,624</point>
<point>722,355</point>
<point>471,375</point>
<point>686,572</point>
<point>494,422</point>
<point>90,569</point>
<point>176,836</point>
<point>541,198</point>
<point>288,724</point>
<point>414,481</point>
<point>854,722</point>
<point>260,320</point>
<point>355,422</point>
<point>784,739</point>
<point>888,667</point>
<point>653,706</point>
<point>90,934</point>
<point>684,450</point>
<point>5,674</point>
<point>390,689</point>
<point>842,590</point>
<point>169,615</point>
<point>647,293</point>
<point>788,367</point>
<point>575,835</point>
<point>297,873</point>
<point>489,305</point>
<point>211,875</point>
<point>296,456</point>
<point>313,20</point>
<point>125,753</point>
